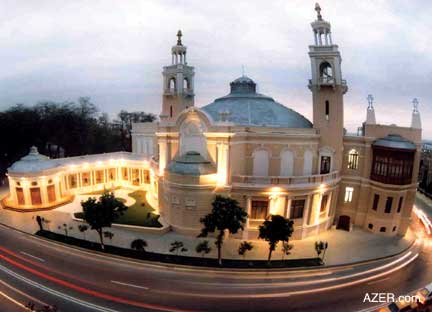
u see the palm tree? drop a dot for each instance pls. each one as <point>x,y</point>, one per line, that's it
<point>286,249</point>
<point>203,248</point>
<point>177,246</point>
<point>275,229</point>
<point>244,248</point>
<point>226,216</point>
<point>83,228</point>
<point>139,245</point>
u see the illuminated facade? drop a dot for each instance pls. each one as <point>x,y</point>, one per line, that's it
<point>256,150</point>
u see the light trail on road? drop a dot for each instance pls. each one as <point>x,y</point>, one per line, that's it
<point>85,290</point>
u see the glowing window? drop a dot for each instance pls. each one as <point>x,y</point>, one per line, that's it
<point>349,194</point>
<point>353,158</point>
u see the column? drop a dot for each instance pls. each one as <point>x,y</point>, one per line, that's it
<point>162,156</point>
<point>330,38</point>
<point>92,177</point>
<point>26,191</point>
<point>319,37</point>
<point>184,58</point>
<point>316,37</point>
<point>222,164</point>
<point>306,212</point>
<point>248,209</point>
<point>12,190</point>
<point>56,182</point>
<point>326,37</point>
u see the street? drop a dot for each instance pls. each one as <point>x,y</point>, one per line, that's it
<point>40,271</point>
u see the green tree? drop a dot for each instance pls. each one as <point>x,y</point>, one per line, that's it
<point>244,248</point>
<point>226,216</point>
<point>203,248</point>
<point>275,229</point>
<point>102,212</point>
<point>139,245</point>
<point>178,246</point>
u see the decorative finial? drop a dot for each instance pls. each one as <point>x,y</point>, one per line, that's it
<point>415,105</point>
<point>370,99</point>
<point>179,35</point>
<point>318,10</point>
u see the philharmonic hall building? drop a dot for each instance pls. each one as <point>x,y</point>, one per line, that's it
<point>248,146</point>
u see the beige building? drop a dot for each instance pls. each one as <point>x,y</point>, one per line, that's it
<point>248,146</point>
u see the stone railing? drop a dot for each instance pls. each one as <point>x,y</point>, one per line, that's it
<point>281,180</point>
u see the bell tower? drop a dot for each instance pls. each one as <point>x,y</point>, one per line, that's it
<point>328,88</point>
<point>178,83</point>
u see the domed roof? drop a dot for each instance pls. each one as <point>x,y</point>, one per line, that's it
<point>191,163</point>
<point>244,106</point>
<point>33,162</point>
<point>394,141</point>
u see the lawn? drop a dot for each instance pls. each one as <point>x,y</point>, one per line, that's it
<point>140,213</point>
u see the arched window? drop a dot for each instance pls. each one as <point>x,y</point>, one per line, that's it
<point>353,159</point>
<point>192,138</point>
<point>260,163</point>
<point>307,162</point>
<point>186,85</point>
<point>287,163</point>
<point>326,73</point>
<point>172,84</point>
<point>171,111</point>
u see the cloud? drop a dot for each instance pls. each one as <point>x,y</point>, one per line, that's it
<point>113,51</point>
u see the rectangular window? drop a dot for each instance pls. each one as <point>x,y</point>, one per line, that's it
<point>375,202</point>
<point>327,110</point>
<point>20,196</point>
<point>51,193</point>
<point>353,159</point>
<point>125,173</point>
<point>324,201</point>
<point>72,181</point>
<point>388,205</point>
<point>135,177</point>
<point>259,209</point>
<point>297,208</point>
<point>325,164</point>
<point>400,204</point>
<point>349,194</point>
<point>99,176</point>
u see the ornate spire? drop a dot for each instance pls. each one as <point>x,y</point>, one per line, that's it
<point>415,105</point>
<point>179,35</point>
<point>370,99</point>
<point>370,113</point>
<point>415,119</point>
<point>318,10</point>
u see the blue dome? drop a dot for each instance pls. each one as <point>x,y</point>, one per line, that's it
<point>243,106</point>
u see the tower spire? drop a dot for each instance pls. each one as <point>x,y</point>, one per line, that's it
<point>370,114</point>
<point>179,35</point>
<point>415,119</point>
<point>318,10</point>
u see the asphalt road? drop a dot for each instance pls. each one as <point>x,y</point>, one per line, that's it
<point>33,269</point>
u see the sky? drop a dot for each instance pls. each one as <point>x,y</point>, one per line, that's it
<point>113,51</point>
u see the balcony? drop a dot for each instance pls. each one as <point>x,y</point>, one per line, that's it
<point>259,181</point>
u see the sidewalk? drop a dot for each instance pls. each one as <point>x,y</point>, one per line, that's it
<point>344,247</point>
